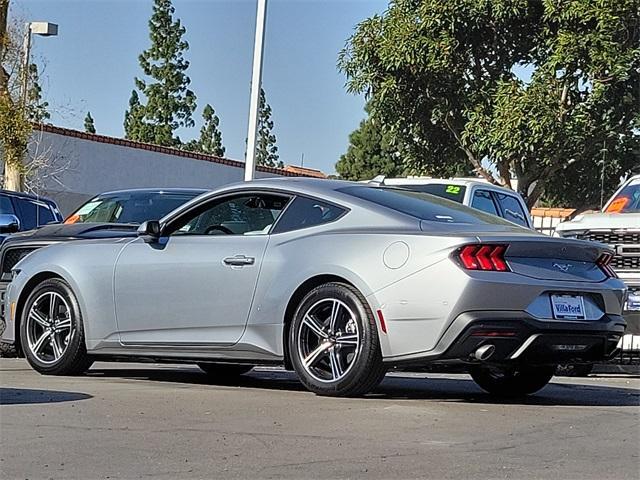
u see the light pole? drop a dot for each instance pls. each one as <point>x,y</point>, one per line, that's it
<point>256,84</point>
<point>44,29</point>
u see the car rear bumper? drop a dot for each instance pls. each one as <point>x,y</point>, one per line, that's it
<point>518,337</point>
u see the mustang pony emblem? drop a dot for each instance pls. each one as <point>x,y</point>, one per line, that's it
<point>563,267</point>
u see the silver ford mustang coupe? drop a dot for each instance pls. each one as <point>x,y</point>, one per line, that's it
<point>336,280</point>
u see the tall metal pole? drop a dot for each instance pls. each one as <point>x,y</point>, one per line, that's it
<point>256,84</point>
<point>26,52</point>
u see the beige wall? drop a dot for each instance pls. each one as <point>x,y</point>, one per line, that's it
<point>82,168</point>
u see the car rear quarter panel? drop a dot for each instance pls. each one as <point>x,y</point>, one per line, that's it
<point>370,262</point>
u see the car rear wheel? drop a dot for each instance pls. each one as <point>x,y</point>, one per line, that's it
<point>512,382</point>
<point>223,371</point>
<point>51,330</point>
<point>333,342</point>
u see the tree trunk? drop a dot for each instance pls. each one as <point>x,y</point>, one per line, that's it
<point>12,177</point>
<point>16,138</point>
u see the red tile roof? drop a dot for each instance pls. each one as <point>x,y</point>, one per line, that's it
<point>166,150</point>
<point>304,171</point>
<point>552,212</point>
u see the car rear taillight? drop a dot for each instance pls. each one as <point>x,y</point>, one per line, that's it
<point>489,257</point>
<point>604,262</point>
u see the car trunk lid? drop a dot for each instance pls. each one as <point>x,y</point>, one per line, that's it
<point>552,259</point>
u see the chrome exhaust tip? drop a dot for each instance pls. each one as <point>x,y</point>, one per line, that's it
<point>484,352</point>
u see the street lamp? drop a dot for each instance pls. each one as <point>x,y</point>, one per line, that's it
<point>44,29</point>
<point>256,84</point>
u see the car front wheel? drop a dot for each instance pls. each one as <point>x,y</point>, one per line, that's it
<point>51,330</point>
<point>512,382</point>
<point>333,342</point>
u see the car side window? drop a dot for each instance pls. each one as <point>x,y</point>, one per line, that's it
<point>245,214</point>
<point>6,207</point>
<point>28,214</point>
<point>45,215</point>
<point>307,212</point>
<point>512,210</point>
<point>482,200</point>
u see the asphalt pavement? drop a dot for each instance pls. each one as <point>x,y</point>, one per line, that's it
<point>171,422</point>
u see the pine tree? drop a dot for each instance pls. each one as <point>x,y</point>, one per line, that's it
<point>135,128</point>
<point>89,126</point>
<point>210,141</point>
<point>169,102</point>
<point>36,107</point>
<point>266,149</point>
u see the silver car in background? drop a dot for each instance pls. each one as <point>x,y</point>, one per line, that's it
<point>336,280</point>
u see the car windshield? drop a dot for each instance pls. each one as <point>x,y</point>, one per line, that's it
<point>444,190</point>
<point>423,205</point>
<point>131,208</point>
<point>627,200</point>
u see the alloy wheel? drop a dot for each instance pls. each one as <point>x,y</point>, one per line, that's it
<point>328,340</point>
<point>49,327</point>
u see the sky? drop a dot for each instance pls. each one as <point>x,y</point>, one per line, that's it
<point>91,64</point>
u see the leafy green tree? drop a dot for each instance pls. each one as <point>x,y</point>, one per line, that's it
<point>266,148</point>
<point>442,76</point>
<point>371,152</point>
<point>89,125</point>
<point>210,141</point>
<point>169,102</point>
<point>16,114</point>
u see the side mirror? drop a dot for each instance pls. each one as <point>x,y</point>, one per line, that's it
<point>149,230</point>
<point>9,224</point>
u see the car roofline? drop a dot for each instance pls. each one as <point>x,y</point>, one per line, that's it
<point>153,190</point>
<point>30,196</point>
<point>391,182</point>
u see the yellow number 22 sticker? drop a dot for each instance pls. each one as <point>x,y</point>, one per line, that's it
<point>453,189</point>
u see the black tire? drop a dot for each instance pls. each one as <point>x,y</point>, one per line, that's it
<point>365,370</point>
<point>512,382</point>
<point>74,360</point>
<point>573,370</point>
<point>224,371</point>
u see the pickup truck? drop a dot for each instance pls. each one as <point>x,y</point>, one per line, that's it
<point>618,225</point>
<point>23,211</point>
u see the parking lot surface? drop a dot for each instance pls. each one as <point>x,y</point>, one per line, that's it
<point>169,422</point>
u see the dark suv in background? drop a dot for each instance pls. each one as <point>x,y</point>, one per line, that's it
<point>23,211</point>
<point>112,214</point>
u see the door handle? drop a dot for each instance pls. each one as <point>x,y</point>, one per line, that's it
<point>239,260</point>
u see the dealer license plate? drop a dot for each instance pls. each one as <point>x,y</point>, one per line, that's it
<point>568,307</point>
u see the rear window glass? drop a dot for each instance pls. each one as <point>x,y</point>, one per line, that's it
<point>307,212</point>
<point>423,206</point>
<point>443,190</point>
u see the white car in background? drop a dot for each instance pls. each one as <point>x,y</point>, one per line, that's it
<point>472,192</point>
